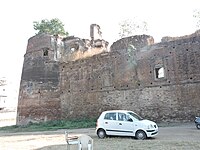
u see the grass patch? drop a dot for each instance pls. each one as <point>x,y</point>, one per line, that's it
<point>51,125</point>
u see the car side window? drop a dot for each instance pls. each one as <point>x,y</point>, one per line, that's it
<point>110,116</point>
<point>122,117</point>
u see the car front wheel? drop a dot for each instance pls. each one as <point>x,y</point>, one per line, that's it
<point>198,126</point>
<point>140,135</point>
<point>101,133</point>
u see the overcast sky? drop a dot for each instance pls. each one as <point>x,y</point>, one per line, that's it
<point>164,18</point>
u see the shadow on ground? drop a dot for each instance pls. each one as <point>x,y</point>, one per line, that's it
<point>57,147</point>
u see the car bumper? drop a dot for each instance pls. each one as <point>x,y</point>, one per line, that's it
<point>152,133</point>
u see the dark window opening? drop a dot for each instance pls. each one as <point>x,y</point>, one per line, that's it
<point>159,72</point>
<point>45,52</point>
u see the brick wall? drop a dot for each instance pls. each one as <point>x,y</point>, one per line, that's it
<point>158,81</point>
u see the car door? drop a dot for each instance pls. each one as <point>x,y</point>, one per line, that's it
<point>125,125</point>
<point>110,123</point>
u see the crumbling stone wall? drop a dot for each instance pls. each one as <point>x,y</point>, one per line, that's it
<point>158,81</point>
<point>126,78</point>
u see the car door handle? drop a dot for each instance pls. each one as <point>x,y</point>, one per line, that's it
<point>120,123</point>
<point>106,122</point>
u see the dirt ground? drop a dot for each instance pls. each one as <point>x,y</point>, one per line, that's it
<point>177,137</point>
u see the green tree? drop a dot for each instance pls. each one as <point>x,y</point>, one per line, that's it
<point>131,27</point>
<point>52,27</point>
<point>196,15</point>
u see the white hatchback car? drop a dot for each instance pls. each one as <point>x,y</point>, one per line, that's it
<point>125,123</point>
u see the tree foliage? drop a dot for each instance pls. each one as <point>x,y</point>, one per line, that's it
<point>131,27</point>
<point>52,27</point>
<point>196,15</point>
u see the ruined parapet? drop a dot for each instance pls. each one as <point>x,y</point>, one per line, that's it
<point>137,41</point>
<point>76,48</point>
<point>185,37</point>
<point>72,44</point>
<point>45,45</point>
<point>95,32</point>
<point>96,37</point>
<point>39,42</point>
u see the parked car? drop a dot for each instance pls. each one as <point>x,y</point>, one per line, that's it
<point>125,123</point>
<point>197,122</point>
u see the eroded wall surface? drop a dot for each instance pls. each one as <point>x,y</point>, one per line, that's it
<point>159,81</point>
<point>39,88</point>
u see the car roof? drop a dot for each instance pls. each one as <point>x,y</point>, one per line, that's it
<point>117,111</point>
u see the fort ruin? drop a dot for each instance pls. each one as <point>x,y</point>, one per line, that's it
<point>64,78</point>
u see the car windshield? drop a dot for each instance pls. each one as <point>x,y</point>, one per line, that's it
<point>137,117</point>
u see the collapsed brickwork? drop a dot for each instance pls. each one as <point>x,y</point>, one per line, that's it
<point>65,78</point>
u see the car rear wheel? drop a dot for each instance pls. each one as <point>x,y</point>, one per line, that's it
<point>198,126</point>
<point>101,133</point>
<point>140,135</point>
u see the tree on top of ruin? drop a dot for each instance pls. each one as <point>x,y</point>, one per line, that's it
<point>130,27</point>
<point>52,27</point>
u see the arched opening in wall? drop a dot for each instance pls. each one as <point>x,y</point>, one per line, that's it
<point>74,47</point>
<point>159,72</point>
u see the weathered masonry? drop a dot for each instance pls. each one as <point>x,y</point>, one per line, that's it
<point>65,78</point>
